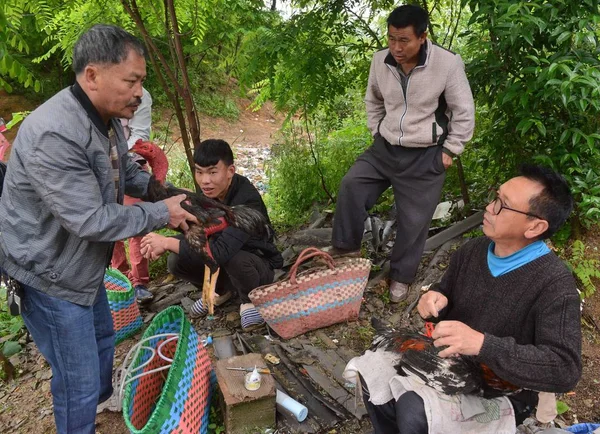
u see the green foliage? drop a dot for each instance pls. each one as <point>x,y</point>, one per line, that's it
<point>294,179</point>
<point>584,268</point>
<point>19,19</point>
<point>16,118</point>
<point>11,326</point>
<point>178,173</point>
<point>474,233</point>
<point>306,62</point>
<point>562,236</point>
<point>217,105</point>
<point>365,334</point>
<point>534,70</point>
<point>561,407</point>
<point>10,348</point>
<point>215,419</point>
<point>71,19</point>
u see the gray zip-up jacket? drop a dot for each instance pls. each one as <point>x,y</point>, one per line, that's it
<point>437,109</point>
<point>58,214</point>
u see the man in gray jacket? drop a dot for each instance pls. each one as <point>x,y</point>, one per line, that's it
<point>61,211</point>
<point>420,111</point>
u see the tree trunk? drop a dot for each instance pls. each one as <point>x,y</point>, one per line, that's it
<point>190,109</point>
<point>168,78</point>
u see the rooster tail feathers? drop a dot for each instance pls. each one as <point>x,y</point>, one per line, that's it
<point>251,221</point>
<point>383,331</point>
<point>380,326</point>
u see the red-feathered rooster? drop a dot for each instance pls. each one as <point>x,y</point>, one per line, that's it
<point>213,217</point>
<point>449,375</point>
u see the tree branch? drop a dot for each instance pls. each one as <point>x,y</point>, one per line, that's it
<point>366,27</point>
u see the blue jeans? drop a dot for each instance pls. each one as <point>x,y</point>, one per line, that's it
<point>78,342</point>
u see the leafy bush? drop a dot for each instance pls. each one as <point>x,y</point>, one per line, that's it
<point>534,72</point>
<point>12,326</point>
<point>179,171</point>
<point>9,325</point>
<point>295,183</point>
<point>217,105</point>
<point>584,268</point>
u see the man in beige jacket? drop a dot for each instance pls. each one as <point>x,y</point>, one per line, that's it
<point>420,111</point>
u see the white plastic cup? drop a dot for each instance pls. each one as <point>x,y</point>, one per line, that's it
<point>291,405</point>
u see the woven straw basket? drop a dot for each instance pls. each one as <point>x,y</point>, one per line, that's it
<point>170,399</point>
<point>316,298</point>
<point>125,312</point>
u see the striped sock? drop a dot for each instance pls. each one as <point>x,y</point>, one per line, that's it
<point>250,316</point>
<point>199,309</point>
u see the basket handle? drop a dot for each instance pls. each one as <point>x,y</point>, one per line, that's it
<point>307,254</point>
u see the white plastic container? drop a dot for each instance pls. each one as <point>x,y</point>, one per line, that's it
<point>291,405</point>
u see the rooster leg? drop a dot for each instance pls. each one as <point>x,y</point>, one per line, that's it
<point>206,290</point>
<point>209,289</point>
<point>213,287</point>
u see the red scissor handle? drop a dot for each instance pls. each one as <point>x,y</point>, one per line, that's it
<point>429,328</point>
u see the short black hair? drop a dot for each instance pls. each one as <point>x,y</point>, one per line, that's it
<point>555,203</point>
<point>409,15</point>
<point>104,44</point>
<point>211,151</point>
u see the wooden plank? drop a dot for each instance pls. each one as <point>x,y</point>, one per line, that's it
<point>334,390</point>
<point>346,353</point>
<point>172,299</point>
<point>331,362</point>
<point>454,231</point>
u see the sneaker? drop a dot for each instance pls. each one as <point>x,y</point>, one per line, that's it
<point>398,291</point>
<point>250,317</point>
<point>142,295</point>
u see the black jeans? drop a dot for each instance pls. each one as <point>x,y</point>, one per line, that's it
<point>241,274</point>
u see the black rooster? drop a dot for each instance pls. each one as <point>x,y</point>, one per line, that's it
<point>448,375</point>
<point>213,217</point>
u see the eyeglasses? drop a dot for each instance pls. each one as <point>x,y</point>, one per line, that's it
<point>498,206</point>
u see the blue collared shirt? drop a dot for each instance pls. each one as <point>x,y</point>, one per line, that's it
<point>502,265</point>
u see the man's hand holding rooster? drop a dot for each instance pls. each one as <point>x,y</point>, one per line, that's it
<point>458,337</point>
<point>178,217</point>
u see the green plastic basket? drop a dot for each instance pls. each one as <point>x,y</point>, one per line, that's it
<point>124,309</point>
<point>170,399</point>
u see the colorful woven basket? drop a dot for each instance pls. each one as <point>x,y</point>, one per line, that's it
<point>315,298</point>
<point>176,400</point>
<point>125,312</point>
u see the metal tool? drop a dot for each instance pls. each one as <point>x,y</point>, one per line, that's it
<point>259,370</point>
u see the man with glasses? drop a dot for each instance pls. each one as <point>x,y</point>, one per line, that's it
<point>506,299</point>
<point>420,112</point>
